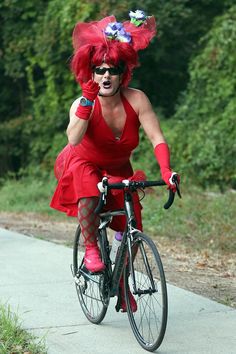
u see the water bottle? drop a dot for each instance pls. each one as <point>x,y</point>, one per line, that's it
<point>115,245</point>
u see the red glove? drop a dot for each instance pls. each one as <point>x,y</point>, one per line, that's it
<point>90,91</point>
<point>162,154</point>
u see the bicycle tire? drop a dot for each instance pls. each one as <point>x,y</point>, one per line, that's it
<point>91,287</point>
<point>149,322</point>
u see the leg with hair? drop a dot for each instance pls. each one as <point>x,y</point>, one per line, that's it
<point>89,222</point>
<point>121,304</point>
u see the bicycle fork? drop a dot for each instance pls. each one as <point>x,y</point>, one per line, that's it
<point>137,291</point>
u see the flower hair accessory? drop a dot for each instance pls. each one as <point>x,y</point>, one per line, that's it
<point>115,30</point>
<point>137,17</point>
<point>137,32</point>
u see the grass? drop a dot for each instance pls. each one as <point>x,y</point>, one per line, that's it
<point>14,339</point>
<point>201,219</point>
<point>27,194</point>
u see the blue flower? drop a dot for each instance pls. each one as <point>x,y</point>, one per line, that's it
<point>115,30</point>
<point>112,29</point>
<point>123,36</point>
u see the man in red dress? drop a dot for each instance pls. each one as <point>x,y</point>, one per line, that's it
<point>104,123</point>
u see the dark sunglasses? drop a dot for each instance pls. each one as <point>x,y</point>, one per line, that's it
<point>112,71</point>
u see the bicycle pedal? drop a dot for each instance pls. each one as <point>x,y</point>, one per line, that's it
<point>87,271</point>
<point>96,273</point>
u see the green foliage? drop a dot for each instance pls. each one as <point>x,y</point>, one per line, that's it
<point>17,34</point>
<point>57,143</point>
<point>53,91</point>
<point>206,131</point>
<point>15,138</point>
<point>181,23</point>
<point>36,57</point>
<point>35,53</point>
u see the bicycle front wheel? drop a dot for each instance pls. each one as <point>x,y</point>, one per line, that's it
<point>91,288</point>
<point>148,285</point>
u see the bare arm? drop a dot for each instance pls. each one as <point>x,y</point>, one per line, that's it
<point>147,117</point>
<point>76,127</point>
<point>151,126</point>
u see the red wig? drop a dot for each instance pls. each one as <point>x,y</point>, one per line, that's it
<point>92,47</point>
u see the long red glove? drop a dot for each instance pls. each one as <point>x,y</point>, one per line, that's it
<point>162,155</point>
<point>90,91</point>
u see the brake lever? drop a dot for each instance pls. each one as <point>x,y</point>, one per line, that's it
<point>175,180</point>
<point>177,189</point>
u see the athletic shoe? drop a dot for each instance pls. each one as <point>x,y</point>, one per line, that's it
<point>92,259</point>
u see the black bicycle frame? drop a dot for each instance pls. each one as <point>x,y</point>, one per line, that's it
<point>125,246</point>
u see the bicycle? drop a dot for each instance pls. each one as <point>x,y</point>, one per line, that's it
<point>137,260</point>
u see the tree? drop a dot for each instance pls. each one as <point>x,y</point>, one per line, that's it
<point>206,130</point>
<point>35,52</point>
<point>181,23</point>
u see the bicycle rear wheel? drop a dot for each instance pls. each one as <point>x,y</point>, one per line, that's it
<point>149,322</point>
<point>91,288</point>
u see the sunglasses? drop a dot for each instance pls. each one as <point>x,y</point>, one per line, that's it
<point>112,71</point>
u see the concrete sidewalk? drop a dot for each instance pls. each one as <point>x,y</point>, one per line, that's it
<point>35,279</point>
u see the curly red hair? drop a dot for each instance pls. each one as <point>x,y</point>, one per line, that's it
<point>117,54</point>
<point>92,48</point>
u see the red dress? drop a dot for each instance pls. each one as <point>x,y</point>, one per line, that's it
<point>79,168</point>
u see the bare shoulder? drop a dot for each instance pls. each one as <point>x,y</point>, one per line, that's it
<point>132,93</point>
<point>137,98</point>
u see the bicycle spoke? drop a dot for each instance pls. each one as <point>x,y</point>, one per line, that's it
<point>89,286</point>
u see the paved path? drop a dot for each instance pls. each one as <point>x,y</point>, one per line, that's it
<point>35,279</point>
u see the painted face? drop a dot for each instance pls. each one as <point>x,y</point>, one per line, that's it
<point>108,77</point>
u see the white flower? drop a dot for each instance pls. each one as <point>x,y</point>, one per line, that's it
<point>137,15</point>
<point>137,18</point>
